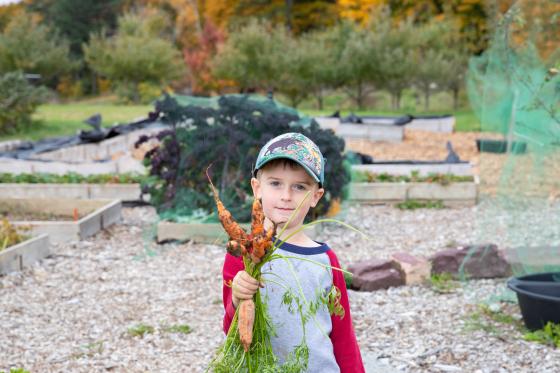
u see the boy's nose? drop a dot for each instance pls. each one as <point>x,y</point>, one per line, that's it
<point>286,195</point>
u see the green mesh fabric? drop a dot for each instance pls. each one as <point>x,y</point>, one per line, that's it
<point>516,95</point>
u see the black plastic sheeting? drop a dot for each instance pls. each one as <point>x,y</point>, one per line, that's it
<point>28,149</point>
<point>395,120</point>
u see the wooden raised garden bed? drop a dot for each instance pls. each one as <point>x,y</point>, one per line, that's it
<point>62,219</point>
<point>23,254</point>
<point>461,193</point>
<point>124,192</point>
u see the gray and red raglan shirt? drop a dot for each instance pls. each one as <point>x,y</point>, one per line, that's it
<point>331,340</point>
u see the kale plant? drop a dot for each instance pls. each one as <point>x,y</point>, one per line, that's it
<point>227,136</point>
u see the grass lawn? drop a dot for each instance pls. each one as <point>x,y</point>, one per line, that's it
<point>64,119</point>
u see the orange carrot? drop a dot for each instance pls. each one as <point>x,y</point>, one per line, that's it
<point>257,218</point>
<point>245,322</point>
<point>232,228</point>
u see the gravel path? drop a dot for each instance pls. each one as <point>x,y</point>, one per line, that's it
<point>73,311</point>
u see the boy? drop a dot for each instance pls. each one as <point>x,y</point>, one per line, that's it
<point>288,167</point>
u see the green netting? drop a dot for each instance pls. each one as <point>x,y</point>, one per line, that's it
<point>514,88</point>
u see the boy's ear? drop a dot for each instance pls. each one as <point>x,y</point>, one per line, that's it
<point>316,197</point>
<point>256,186</point>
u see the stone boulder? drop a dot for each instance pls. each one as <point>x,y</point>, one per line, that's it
<point>416,269</point>
<point>477,261</point>
<point>375,274</point>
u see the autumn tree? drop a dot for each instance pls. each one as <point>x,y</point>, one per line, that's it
<point>297,16</point>
<point>198,59</point>
<point>9,11</point>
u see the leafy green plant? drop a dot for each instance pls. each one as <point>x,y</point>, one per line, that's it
<point>549,335</point>
<point>140,330</point>
<point>442,179</point>
<point>413,204</point>
<point>443,283</point>
<point>229,136</point>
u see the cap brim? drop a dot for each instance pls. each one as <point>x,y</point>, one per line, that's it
<point>279,156</point>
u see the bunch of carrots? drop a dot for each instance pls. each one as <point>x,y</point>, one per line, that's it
<point>253,248</point>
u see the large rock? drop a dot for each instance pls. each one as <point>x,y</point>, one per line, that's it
<point>477,261</point>
<point>416,269</point>
<point>375,274</point>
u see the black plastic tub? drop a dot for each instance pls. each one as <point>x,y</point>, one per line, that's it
<point>500,146</point>
<point>539,298</point>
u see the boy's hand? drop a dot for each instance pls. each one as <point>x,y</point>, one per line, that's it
<point>243,287</point>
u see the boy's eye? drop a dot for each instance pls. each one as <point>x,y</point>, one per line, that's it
<point>300,187</point>
<point>274,183</point>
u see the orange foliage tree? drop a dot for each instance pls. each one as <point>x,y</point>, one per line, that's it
<point>198,59</point>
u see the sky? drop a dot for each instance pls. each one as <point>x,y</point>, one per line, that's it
<point>4,2</point>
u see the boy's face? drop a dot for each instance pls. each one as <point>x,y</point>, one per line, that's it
<point>281,189</point>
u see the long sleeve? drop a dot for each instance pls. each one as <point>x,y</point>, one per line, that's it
<point>345,345</point>
<point>232,265</point>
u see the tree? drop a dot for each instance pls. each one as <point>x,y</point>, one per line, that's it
<point>295,72</point>
<point>429,58</point>
<point>77,20</point>
<point>30,47</point>
<point>359,66</point>
<point>358,11</point>
<point>394,44</point>
<point>296,16</point>
<point>252,57</point>
<point>321,52</point>
<point>199,58</point>
<point>8,12</point>
<point>135,54</point>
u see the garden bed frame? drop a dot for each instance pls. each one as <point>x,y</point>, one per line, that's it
<point>456,169</point>
<point>100,214</point>
<point>451,195</point>
<point>23,254</point>
<point>124,192</point>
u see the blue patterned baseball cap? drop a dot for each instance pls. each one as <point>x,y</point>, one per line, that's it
<point>298,148</point>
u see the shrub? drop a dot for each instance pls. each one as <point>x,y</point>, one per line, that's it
<point>18,101</point>
<point>227,135</point>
